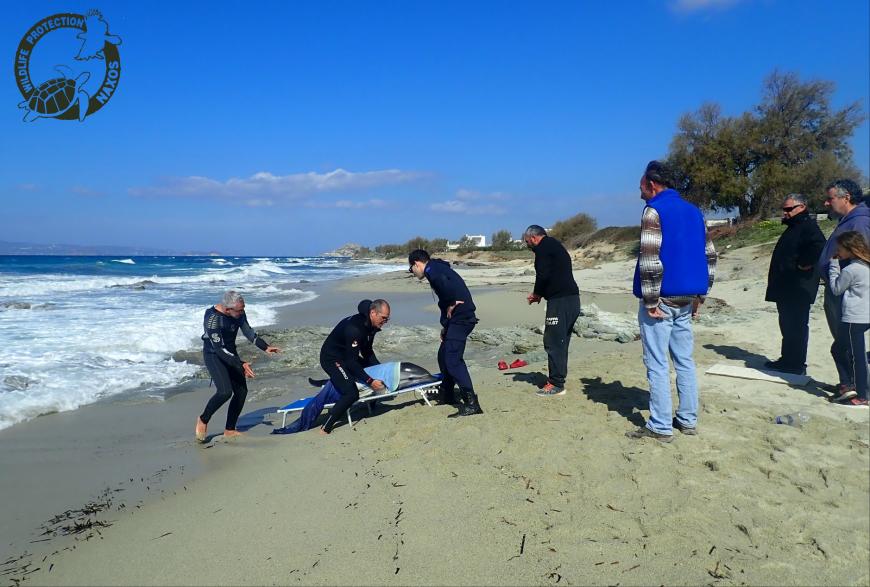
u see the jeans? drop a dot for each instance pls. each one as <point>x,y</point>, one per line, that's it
<point>660,337</point>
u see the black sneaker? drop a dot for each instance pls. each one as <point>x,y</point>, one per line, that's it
<point>693,431</point>
<point>550,390</point>
<point>783,368</point>
<point>644,432</point>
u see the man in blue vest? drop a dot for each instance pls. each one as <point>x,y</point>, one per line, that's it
<point>674,272</point>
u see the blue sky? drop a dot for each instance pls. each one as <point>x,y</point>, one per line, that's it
<point>279,128</point>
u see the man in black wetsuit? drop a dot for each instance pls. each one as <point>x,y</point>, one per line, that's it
<point>222,323</point>
<point>554,282</point>
<point>457,322</point>
<point>347,351</point>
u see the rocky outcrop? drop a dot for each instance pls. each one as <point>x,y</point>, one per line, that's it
<point>596,323</point>
<point>345,250</point>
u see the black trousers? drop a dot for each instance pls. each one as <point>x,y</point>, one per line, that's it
<point>345,385</point>
<point>228,382</point>
<point>794,325</point>
<point>562,313</point>
<point>451,360</point>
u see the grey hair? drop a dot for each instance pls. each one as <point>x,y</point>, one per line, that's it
<point>379,306</point>
<point>846,188</point>
<point>797,198</point>
<point>232,298</point>
<point>535,230</point>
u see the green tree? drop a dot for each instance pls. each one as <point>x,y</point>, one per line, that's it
<point>389,251</point>
<point>502,240</point>
<point>466,245</point>
<point>793,141</point>
<point>418,242</point>
<point>437,245</point>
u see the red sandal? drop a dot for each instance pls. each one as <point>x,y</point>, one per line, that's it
<point>518,363</point>
<point>502,365</point>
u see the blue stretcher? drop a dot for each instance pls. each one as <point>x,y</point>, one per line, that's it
<point>389,373</point>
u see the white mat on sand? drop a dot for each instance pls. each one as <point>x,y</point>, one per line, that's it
<point>757,374</point>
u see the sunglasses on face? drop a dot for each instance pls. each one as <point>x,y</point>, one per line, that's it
<point>790,208</point>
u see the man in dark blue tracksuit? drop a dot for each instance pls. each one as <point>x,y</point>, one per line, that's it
<point>457,322</point>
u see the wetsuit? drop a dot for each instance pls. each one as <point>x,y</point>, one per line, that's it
<point>345,354</point>
<point>554,281</point>
<point>450,288</point>
<point>223,362</point>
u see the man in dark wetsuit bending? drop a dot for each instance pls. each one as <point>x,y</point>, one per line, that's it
<point>457,322</point>
<point>347,351</point>
<point>222,323</point>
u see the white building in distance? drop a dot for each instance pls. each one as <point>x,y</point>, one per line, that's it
<point>477,240</point>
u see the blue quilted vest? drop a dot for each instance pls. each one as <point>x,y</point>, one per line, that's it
<point>683,253</point>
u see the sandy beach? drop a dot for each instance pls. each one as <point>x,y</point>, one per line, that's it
<point>535,491</point>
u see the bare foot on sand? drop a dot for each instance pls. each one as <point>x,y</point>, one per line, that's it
<point>323,432</point>
<point>232,433</point>
<point>201,430</point>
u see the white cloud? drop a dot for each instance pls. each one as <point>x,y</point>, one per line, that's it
<point>685,6</point>
<point>349,204</point>
<point>28,187</point>
<point>463,207</point>
<point>465,194</point>
<point>468,201</point>
<point>266,186</point>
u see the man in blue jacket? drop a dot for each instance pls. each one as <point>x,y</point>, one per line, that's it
<point>457,322</point>
<point>844,202</point>
<point>674,272</point>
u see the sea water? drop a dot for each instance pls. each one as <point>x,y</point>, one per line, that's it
<point>74,330</point>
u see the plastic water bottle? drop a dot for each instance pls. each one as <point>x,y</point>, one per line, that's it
<point>797,419</point>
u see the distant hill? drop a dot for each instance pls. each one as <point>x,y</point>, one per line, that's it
<point>10,248</point>
<point>345,250</point>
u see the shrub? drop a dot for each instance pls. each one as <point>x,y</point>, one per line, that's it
<point>571,230</point>
<point>502,241</point>
<point>466,245</point>
<point>437,245</point>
